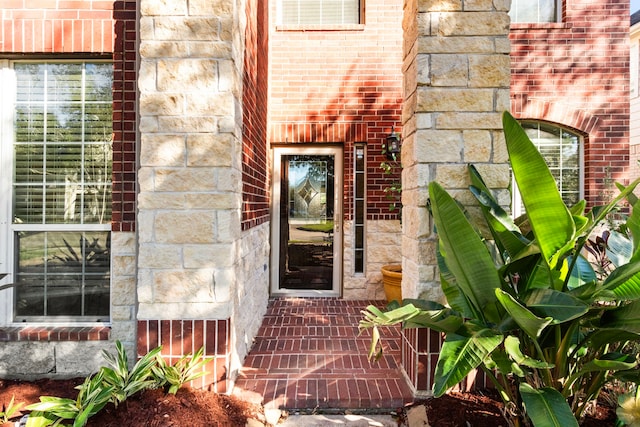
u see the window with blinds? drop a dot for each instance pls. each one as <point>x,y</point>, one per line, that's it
<point>535,11</point>
<point>62,164</point>
<point>319,12</point>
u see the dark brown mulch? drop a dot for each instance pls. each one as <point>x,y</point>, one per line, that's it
<point>484,409</point>
<point>200,408</point>
<point>150,408</point>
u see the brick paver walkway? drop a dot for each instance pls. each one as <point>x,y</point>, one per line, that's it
<point>308,355</point>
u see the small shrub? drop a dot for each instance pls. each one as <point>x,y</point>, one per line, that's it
<point>93,395</point>
<point>188,368</point>
<point>10,410</point>
<point>125,382</point>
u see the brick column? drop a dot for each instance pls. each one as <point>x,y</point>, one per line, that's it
<point>456,85</point>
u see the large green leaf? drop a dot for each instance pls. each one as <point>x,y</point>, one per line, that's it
<point>581,273</point>
<point>512,347</point>
<point>452,292</point>
<point>445,320</point>
<point>505,233</point>
<point>551,221</point>
<point>531,324</point>
<point>624,281</point>
<point>460,354</point>
<point>633,223</point>
<point>619,248</point>
<point>606,335</point>
<point>608,362</point>
<point>560,306</point>
<point>546,407</point>
<point>464,252</point>
<point>626,317</point>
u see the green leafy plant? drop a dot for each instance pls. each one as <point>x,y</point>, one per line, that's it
<point>10,410</point>
<point>391,169</point>
<point>187,368</point>
<point>93,395</point>
<point>525,306</point>
<point>125,382</point>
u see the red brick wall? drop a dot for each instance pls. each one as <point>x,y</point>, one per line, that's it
<point>255,181</point>
<point>576,74</point>
<point>56,26</point>
<point>125,77</point>
<point>87,27</point>
<point>341,86</point>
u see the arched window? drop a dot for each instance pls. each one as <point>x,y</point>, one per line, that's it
<point>535,11</point>
<point>562,150</point>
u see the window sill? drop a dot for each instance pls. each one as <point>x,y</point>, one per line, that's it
<point>518,26</point>
<point>41,333</point>
<point>339,27</point>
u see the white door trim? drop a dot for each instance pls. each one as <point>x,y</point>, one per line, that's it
<point>278,152</point>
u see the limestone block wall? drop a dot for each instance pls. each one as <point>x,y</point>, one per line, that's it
<point>456,85</point>
<point>250,300</point>
<point>189,176</point>
<point>190,186</point>
<point>384,246</point>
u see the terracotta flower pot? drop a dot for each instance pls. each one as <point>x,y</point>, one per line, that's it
<point>392,281</point>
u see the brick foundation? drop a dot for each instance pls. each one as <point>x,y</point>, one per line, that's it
<point>183,337</point>
<point>420,352</point>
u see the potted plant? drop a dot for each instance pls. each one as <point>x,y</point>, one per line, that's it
<point>392,169</point>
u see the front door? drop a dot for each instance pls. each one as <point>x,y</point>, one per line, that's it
<point>306,235</point>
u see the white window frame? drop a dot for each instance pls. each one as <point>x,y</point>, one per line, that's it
<point>8,83</point>
<point>516,200</point>
<point>514,20</point>
<point>634,58</point>
<point>279,19</point>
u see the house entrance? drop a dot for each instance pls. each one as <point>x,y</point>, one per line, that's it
<point>306,235</point>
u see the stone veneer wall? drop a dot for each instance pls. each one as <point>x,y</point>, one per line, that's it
<point>194,263</point>
<point>456,85</point>
<point>383,247</point>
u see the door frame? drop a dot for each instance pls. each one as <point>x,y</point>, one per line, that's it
<point>276,197</point>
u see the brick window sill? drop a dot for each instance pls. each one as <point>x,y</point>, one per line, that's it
<point>540,26</point>
<point>41,333</point>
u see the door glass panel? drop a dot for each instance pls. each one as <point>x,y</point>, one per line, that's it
<point>307,228</point>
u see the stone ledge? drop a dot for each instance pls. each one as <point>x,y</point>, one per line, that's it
<point>36,333</point>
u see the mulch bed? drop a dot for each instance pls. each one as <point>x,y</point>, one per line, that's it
<point>201,408</point>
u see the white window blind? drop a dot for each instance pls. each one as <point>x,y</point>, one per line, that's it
<point>534,11</point>
<point>319,12</point>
